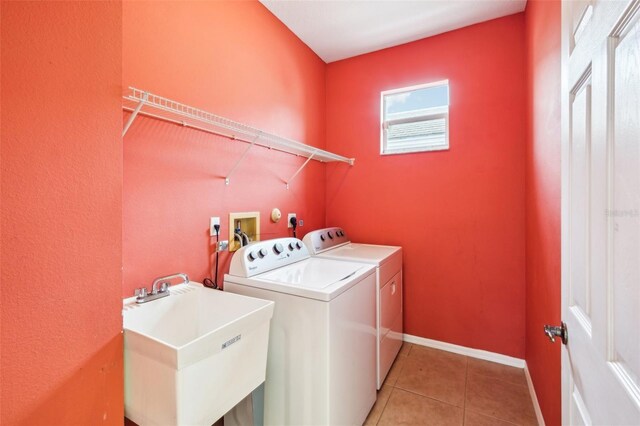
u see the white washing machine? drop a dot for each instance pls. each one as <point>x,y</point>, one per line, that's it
<point>333,243</point>
<point>321,364</point>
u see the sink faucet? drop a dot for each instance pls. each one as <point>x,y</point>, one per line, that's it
<point>164,282</point>
<point>159,288</point>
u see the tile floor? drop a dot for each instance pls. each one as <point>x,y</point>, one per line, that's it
<point>430,387</point>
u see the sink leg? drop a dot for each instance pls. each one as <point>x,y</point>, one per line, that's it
<point>257,397</point>
<point>249,411</point>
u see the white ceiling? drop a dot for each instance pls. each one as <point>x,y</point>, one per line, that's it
<point>339,29</point>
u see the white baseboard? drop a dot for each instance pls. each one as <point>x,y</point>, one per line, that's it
<point>463,350</point>
<point>534,397</point>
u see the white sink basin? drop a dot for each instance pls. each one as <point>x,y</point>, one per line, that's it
<point>192,356</point>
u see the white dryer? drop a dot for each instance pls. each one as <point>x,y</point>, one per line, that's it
<point>333,243</point>
<point>321,364</point>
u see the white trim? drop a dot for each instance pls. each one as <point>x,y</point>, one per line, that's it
<point>463,350</point>
<point>534,397</point>
<point>415,87</point>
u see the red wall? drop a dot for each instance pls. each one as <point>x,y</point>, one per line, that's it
<point>237,60</point>
<point>459,214</point>
<point>68,224</point>
<point>61,214</point>
<point>543,201</point>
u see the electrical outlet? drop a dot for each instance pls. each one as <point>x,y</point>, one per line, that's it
<point>222,245</point>
<point>213,221</point>
<point>289,216</point>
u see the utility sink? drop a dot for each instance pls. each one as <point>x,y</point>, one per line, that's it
<point>192,356</point>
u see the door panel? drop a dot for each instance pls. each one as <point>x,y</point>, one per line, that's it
<point>625,210</point>
<point>578,411</point>
<point>580,287</point>
<point>581,14</point>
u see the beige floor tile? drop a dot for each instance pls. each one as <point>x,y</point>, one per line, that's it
<point>404,350</point>
<point>406,408</point>
<point>441,380</point>
<point>378,407</point>
<point>395,371</point>
<point>497,371</point>
<point>499,399</point>
<point>476,419</point>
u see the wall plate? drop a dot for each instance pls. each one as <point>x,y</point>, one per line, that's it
<point>213,221</point>
<point>276,215</point>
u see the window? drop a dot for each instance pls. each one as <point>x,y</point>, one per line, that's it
<point>415,119</point>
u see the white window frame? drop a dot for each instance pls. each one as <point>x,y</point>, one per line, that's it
<point>428,113</point>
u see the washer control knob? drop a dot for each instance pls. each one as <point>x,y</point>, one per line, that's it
<point>252,256</point>
<point>299,245</point>
<point>322,237</point>
<point>278,248</point>
<point>330,234</point>
<point>262,252</point>
<point>292,246</point>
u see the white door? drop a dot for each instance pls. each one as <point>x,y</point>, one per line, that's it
<point>601,212</point>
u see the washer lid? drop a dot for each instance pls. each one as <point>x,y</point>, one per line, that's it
<point>312,273</point>
<point>367,253</point>
<point>313,278</point>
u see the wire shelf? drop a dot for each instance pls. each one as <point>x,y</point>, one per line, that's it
<point>140,102</point>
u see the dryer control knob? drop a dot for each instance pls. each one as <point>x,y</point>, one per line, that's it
<point>278,248</point>
<point>299,245</point>
<point>262,252</point>
<point>291,246</point>
<point>330,234</point>
<point>322,237</point>
<point>252,255</point>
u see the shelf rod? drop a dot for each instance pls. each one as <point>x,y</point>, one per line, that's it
<point>268,140</point>
<point>299,170</point>
<point>191,126</point>
<point>244,154</point>
<point>202,129</point>
<point>135,112</point>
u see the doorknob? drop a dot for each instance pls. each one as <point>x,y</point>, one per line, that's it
<point>553,330</point>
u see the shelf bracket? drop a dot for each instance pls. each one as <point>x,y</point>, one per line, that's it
<point>244,154</point>
<point>135,112</point>
<point>300,169</point>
